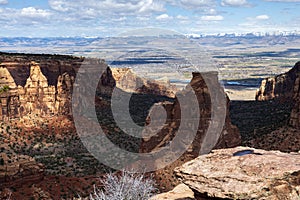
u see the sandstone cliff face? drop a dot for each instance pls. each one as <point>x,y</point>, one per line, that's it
<point>279,87</point>
<point>156,139</point>
<point>40,94</point>
<point>128,81</point>
<point>243,173</point>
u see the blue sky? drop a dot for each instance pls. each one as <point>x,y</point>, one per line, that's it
<point>42,18</point>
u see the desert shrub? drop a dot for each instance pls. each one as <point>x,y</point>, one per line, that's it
<point>128,186</point>
<point>4,88</point>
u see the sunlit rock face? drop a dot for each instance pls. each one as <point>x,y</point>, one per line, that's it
<point>128,81</point>
<point>43,89</point>
<point>243,173</point>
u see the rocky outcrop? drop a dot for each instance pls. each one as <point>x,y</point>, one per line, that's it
<point>6,79</point>
<point>295,114</point>
<point>243,173</point>
<point>279,87</point>
<point>42,95</point>
<point>16,170</point>
<point>198,133</point>
<point>128,81</point>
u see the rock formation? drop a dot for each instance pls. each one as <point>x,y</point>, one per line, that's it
<point>39,94</point>
<point>279,87</point>
<point>243,173</point>
<point>295,114</point>
<point>181,115</point>
<point>43,86</point>
<point>128,81</point>
<point>285,91</point>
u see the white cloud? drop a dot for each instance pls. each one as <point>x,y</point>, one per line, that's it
<point>108,7</point>
<point>212,11</point>
<point>181,17</point>
<point>34,13</point>
<point>164,17</point>
<point>212,18</point>
<point>59,5</point>
<point>3,2</point>
<point>19,19</point>
<point>262,17</point>
<point>195,4</point>
<point>235,3</point>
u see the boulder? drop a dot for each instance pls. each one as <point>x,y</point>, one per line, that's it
<point>180,192</point>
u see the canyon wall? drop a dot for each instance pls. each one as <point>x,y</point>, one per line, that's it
<point>285,92</point>
<point>41,85</point>
<point>279,87</point>
<point>44,90</point>
<point>295,114</point>
<point>285,88</point>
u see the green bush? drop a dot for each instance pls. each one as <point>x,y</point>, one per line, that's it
<point>4,88</point>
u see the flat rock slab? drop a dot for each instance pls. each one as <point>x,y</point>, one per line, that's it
<point>180,192</point>
<point>244,173</point>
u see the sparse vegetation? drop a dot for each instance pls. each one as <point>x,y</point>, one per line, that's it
<point>4,88</point>
<point>128,186</point>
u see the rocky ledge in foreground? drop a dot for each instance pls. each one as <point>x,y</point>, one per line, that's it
<point>243,173</point>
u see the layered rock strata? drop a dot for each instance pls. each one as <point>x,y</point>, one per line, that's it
<point>42,95</point>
